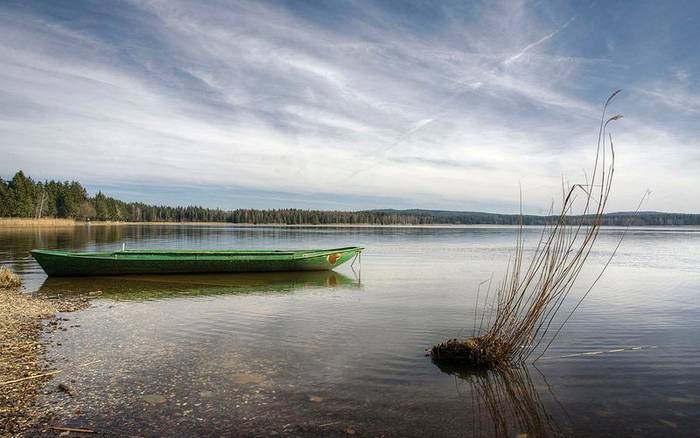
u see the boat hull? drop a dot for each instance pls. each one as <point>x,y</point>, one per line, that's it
<point>80,264</point>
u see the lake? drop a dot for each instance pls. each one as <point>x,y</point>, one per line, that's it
<point>343,353</point>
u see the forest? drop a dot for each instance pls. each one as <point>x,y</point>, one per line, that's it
<point>23,197</point>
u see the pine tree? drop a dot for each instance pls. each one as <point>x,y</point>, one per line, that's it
<point>21,196</point>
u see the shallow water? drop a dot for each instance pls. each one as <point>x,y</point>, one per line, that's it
<point>342,353</point>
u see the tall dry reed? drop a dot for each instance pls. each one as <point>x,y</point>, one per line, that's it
<point>530,296</point>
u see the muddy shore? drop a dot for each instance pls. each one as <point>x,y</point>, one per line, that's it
<point>24,370</point>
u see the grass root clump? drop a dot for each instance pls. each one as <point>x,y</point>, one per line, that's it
<point>477,352</point>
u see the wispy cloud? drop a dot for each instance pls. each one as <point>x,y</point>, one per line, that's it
<point>539,42</point>
<point>353,104</point>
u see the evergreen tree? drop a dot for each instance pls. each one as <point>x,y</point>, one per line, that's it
<point>5,209</point>
<point>21,196</point>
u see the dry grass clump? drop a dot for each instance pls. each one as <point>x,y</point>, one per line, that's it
<point>530,295</point>
<point>8,279</point>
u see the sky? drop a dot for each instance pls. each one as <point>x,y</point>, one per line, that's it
<point>352,104</point>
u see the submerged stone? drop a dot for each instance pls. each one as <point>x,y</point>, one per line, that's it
<point>154,399</point>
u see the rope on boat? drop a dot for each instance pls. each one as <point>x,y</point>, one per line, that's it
<point>358,259</point>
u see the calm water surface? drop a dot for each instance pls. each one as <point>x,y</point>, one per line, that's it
<point>342,353</point>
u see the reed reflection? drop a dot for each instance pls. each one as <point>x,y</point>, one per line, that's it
<point>506,402</point>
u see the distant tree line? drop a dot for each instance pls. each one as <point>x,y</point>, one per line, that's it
<point>23,197</point>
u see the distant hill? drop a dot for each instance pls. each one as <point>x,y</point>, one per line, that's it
<point>475,217</point>
<point>23,197</point>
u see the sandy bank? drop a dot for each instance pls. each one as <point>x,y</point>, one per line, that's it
<point>23,366</point>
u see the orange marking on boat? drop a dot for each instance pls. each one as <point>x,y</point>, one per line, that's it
<point>332,258</point>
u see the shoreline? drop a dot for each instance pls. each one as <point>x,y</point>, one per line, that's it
<point>23,223</point>
<point>24,367</point>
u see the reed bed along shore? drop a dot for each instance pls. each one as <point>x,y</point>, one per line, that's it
<point>11,222</point>
<point>23,366</point>
<point>518,318</point>
<point>16,222</point>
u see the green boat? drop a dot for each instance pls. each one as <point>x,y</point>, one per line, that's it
<point>146,261</point>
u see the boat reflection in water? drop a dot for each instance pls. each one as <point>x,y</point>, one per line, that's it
<point>154,287</point>
<point>505,402</point>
